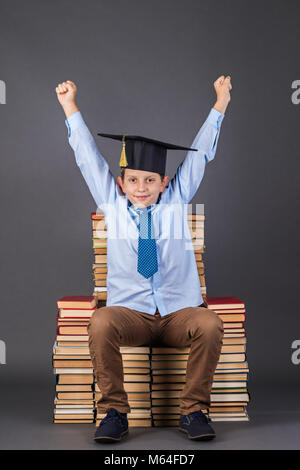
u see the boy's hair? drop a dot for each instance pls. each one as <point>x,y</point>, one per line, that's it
<point>123,174</point>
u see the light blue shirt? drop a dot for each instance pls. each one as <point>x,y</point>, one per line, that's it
<point>176,284</point>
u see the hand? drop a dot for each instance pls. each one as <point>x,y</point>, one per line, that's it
<point>66,92</point>
<point>222,87</point>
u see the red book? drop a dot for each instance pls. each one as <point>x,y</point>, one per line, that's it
<point>77,301</point>
<point>95,216</point>
<point>224,303</point>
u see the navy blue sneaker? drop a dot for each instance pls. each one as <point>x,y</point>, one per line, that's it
<point>196,426</point>
<point>113,427</point>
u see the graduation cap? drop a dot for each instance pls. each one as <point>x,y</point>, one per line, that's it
<point>142,153</point>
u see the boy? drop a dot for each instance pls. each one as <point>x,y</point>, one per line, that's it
<point>153,289</point>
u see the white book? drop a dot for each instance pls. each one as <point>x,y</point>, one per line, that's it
<point>73,370</point>
<point>229,397</point>
<point>242,418</point>
<point>74,411</point>
<point>229,384</point>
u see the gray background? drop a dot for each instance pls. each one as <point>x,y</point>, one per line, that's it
<point>148,68</point>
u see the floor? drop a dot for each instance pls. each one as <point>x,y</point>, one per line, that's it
<point>26,423</point>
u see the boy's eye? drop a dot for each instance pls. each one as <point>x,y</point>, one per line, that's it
<point>133,179</point>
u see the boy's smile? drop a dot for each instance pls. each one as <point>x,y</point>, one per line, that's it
<point>142,187</point>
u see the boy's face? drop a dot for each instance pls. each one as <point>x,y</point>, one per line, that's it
<point>142,187</point>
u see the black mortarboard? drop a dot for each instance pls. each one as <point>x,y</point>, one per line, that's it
<point>142,153</point>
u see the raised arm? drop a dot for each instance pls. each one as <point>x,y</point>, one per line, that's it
<point>190,172</point>
<point>92,164</point>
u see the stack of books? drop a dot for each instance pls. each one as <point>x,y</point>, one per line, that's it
<point>74,395</point>
<point>230,388</point>
<point>153,376</point>
<point>229,396</point>
<point>136,367</point>
<point>168,366</point>
<point>196,226</point>
<point>100,252</point>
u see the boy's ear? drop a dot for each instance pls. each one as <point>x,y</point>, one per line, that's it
<point>165,182</point>
<point>119,179</point>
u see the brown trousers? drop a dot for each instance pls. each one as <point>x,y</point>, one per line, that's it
<point>113,326</point>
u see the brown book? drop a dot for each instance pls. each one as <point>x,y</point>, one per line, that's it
<point>227,348</point>
<point>226,409</point>
<point>76,312</point>
<point>77,301</point>
<point>101,295</point>
<point>75,395</point>
<point>72,330</point>
<point>72,322</point>
<point>195,217</point>
<point>71,363</point>
<point>98,276</point>
<point>166,409</point>
<point>58,416</point>
<point>71,351</point>
<point>234,340</point>
<point>100,247</point>
<point>72,421</point>
<point>100,282</point>
<point>71,357</point>
<point>137,378</point>
<point>231,403</point>
<point>73,402</point>
<point>233,327</point>
<point>75,379</point>
<point>66,338</point>
<point>136,363</point>
<point>74,388</point>
<point>100,268</point>
<point>100,258</point>
<point>231,317</point>
<point>163,364</point>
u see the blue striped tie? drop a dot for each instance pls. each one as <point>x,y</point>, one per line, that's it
<point>147,256</point>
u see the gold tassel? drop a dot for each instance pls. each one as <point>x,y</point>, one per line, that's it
<point>123,160</point>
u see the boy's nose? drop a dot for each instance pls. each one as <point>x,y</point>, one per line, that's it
<point>141,186</point>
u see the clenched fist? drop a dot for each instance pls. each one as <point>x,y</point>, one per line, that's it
<point>222,87</point>
<point>66,92</point>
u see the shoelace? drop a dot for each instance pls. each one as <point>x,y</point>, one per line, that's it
<point>111,415</point>
<point>200,417</point>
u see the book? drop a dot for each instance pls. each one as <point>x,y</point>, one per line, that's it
<point>224,303</point>
<point>76,312</point>
<point>77,301</point>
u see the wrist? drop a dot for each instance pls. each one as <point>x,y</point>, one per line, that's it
<point>221,105</point>
<point>69,109</point>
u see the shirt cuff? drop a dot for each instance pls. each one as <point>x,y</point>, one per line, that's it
<point>73,122</point>
<point>215,118</point>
